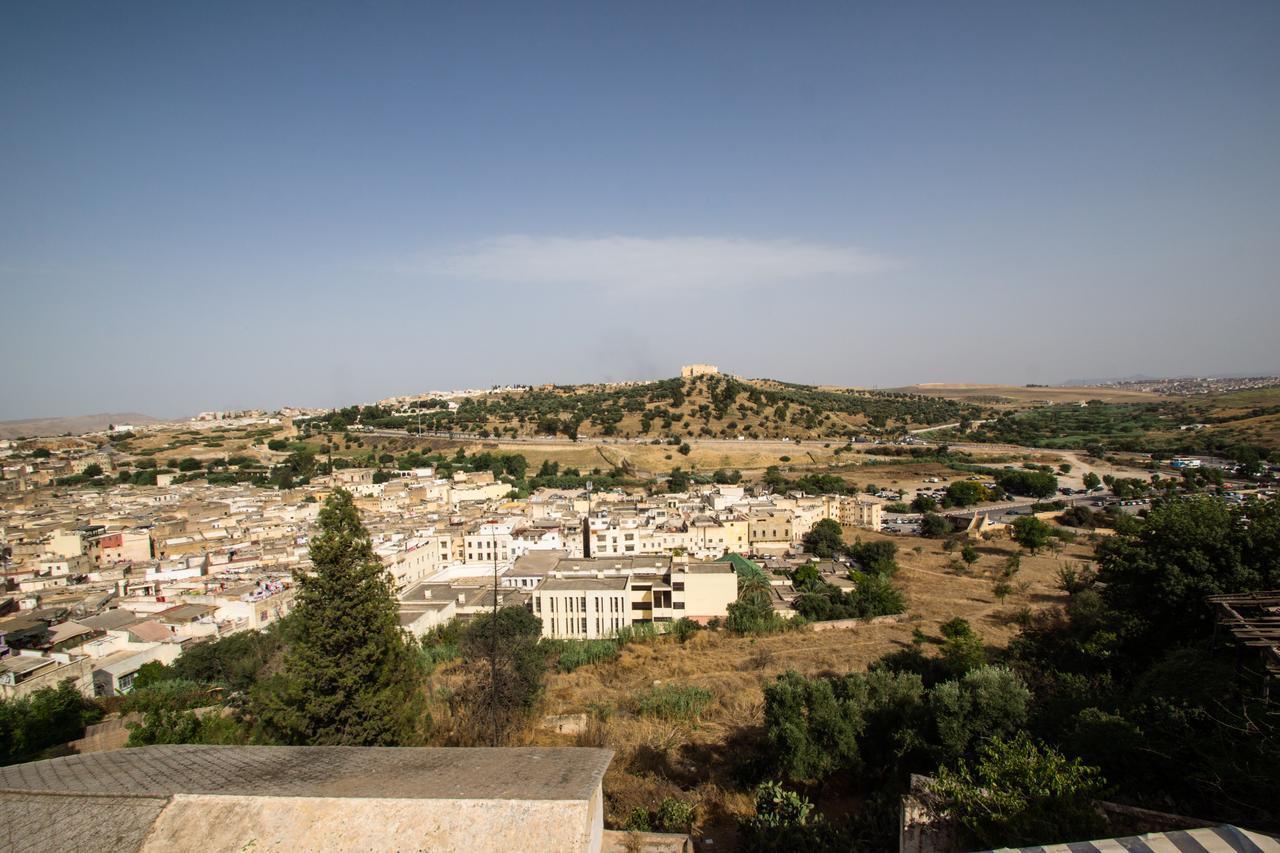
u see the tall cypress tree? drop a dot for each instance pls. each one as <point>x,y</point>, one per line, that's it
<point>350,677</point>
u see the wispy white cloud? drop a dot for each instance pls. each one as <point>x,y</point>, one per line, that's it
<point>639,263</point>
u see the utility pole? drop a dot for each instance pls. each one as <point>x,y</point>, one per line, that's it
<point>493,651</point>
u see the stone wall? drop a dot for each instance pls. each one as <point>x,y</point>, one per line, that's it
<point>841,624</point>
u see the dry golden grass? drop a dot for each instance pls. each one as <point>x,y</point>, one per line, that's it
<point>1264,430</point>
<point>230,441</point>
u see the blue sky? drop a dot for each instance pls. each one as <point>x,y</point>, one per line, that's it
<point>222,205</point>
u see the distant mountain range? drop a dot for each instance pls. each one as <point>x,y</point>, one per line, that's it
<point>74,425</point>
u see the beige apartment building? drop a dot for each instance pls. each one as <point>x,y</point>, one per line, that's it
<point>861,511</point>
<point>420,558</point>
<point>710,537</point>
<point>67,543</point>
<point>121,546</point>
<point>593,599</point>
<point>770,527</point>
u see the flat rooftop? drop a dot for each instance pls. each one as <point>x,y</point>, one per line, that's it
<point>522,773</point>
<point>584,582</point>
<point>157,799</point>
<point>22,664</point>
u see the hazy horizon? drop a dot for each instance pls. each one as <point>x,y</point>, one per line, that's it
<point>244,206</point>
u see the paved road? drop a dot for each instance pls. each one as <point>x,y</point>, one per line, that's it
<point>940,426</point>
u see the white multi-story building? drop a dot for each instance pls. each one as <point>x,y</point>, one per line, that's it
<point>491,541</point>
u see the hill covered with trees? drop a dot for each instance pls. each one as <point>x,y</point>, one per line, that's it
<point>717,406</point>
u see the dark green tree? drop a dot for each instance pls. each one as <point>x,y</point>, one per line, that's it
<point>805,575</point>
<point>678,481</point>
<point>506,666</point>
<point>934,526</point>
<point>48,717</point>
<point>825,539</point>
<point>878,556</point>
<point>923,503</point>
<point>1188,549</point>
<point>1031,533</point>
<point>1020,793</point>
<point>350,676</point>
<point>811,730</point>
<point>1036,484</point>
<point>966,493</point>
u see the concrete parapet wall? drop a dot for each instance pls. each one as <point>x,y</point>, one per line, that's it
<point>109,734</point>
<point>230,822</point>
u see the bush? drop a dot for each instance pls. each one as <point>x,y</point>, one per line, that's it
<point>642,633</point>
<point>811,728</point>
<point>962,649</point>
<point>151,673</point>
<point>674,815</point>
<point>235,661</point>
<point>749,615</point>
<point>1020,793</point>
<point>673,702</point>
<point>683,628</point>
<point>48,717</point>
<point>1074,579</point>
<point>923,504</point>
<point>638,821</point>
<point>173,694</point>
<point>986,701</point>
<point>934,526</point>
<point>872,595</point>
<point>576,653</point>
<point>435,653</point>
<point>165,725</point>
<point>777,808</point>
<point>1081,516</point>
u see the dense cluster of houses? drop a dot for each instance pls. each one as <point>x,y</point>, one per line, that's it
<point>98,582</point>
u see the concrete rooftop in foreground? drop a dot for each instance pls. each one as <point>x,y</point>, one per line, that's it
<point>278,798</point>
<point>524,773</point>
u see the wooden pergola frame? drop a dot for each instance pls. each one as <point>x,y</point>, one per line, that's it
<point>1253,618</point>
